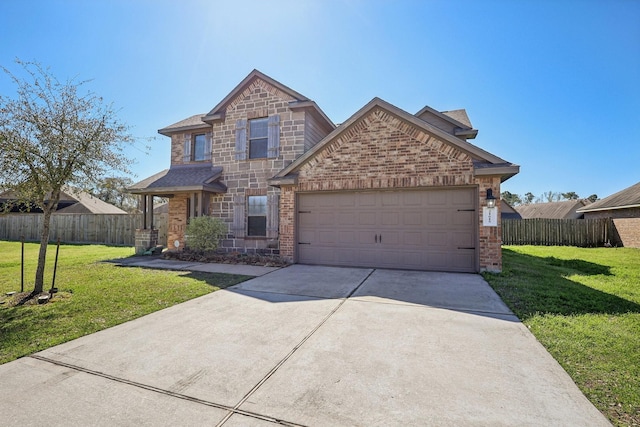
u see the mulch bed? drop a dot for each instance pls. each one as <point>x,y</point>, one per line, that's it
<point>226,258</point>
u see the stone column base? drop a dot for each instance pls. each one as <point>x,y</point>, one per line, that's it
<point>145,239</point>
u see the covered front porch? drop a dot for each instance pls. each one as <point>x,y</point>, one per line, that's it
<point>189,188</point>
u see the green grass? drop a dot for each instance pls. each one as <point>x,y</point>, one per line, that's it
<point>92,295</point>
<point>583,305</point>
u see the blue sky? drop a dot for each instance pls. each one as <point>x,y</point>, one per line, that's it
<point>553,86</point>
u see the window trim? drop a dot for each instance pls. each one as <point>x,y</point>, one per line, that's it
<point>263,138</point>
<point>264,215</point>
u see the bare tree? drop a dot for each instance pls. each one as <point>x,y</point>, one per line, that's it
<point>52,135</point>
<point>549,196</point>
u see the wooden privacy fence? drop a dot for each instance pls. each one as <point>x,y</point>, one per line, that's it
<point>557,232</point>
<point>107,229</point>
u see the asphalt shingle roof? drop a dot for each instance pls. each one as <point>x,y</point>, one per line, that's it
<point>186,177</point>
<point>554,210</point>
<point>627,198</point>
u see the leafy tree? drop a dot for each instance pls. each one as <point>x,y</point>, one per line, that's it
<point>113,190</point>
<point>512,199</point>
<point>529,198</point>
<point>571,195</point>
<point>204,233</point>
<point>593,198</point>
<point>54,134</point>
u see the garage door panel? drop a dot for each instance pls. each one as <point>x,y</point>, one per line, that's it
<point>390,218</point>
<point>436,198</point>
<point>366,218</point>
<point>436,218</point>
<point>420,229</point>
<point>348,238</point>
<point>463,239</point>
<point>463,218</point>
<point>366,200</point>
<point>412,238</point>
<point>345,219</point>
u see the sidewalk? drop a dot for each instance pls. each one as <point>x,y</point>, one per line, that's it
<point>165,264</point>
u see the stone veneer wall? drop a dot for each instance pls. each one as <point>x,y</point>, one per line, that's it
<point>380,152</point>
<point>247,177</point>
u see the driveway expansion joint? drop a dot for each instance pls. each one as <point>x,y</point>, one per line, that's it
<point>231,411</point>
<point>291,353</point>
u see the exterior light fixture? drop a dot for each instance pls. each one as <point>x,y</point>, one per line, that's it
<point>491,200</point>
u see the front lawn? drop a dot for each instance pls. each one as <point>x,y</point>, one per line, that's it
<point>93,295</point>
<point>583,305</point>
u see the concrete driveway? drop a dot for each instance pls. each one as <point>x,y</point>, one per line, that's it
<point>306,345</point>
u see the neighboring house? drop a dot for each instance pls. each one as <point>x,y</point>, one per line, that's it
<point>386,188</point>
<point>72,201</point>
<point>553,210</point>
<point>624,208</point>
<point>507,211</point>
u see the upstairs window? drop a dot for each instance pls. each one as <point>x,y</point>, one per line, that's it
<point>257,216</point>
<point>199,142</point>
<point>258,138</point>
<point>197,147</point>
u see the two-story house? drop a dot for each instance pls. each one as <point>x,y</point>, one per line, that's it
<point>385,188</point>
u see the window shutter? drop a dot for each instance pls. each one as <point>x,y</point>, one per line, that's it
<point>207,146</point>
<point>273,141</point>
<point>241,139</point>
<point>238,216</point>
<point>186,152</point>
<point>272,215</point>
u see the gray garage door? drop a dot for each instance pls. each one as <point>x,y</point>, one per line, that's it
<point>421,230</point>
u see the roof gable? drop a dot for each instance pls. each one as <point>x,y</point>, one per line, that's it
<point>218,111</point>
<point>478,155</point>
<point>624,199</point>
<point>455,122</point>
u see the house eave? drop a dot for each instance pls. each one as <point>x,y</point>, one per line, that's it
<point>311,106</point>
<point>609,208</point>
<point>466,133</point>
<point>171,131</point>
<point>213,118</point>
<point>504,171</point>
<point>285,180</point>
<point>173,190</point>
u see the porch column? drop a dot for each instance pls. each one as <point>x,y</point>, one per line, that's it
<point>144,211</point>
<point>149,211</point>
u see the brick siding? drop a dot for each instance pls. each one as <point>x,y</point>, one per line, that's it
<point>381,151</point>
<point>627,223</point>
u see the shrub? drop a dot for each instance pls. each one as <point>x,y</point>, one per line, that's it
<point>204,233</point>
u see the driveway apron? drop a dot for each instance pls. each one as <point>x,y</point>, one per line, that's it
<point>306,345</point>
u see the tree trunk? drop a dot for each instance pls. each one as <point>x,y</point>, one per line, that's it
<point>42,254</point>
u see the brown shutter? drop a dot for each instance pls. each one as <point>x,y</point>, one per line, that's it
<point>273,215</point>
<point>207,146</point>
<point>238,226</point>
<point>186,152</point>
<point>241,139</point>
<point>273,135</point>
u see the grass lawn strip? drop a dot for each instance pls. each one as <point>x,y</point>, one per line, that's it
<point>92,295</point>
<point>583,305</point>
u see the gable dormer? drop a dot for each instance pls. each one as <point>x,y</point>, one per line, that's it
<point>455,122</point>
